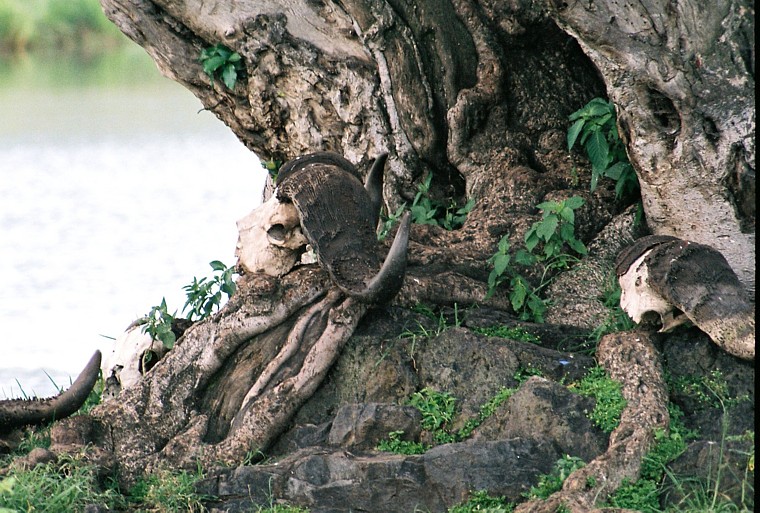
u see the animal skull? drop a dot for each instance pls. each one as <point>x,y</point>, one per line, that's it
<point>270,238</point>
<point>639,300</point>
<point>134,354</point>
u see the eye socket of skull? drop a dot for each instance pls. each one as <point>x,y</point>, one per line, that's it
<point>270,238</point>
<point>277,232</point>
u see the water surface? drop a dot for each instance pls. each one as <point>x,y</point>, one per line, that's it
<point>114,192</point>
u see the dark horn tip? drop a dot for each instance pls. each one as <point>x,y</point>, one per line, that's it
<point>388,281</point>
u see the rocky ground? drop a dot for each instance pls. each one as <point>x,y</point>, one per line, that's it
<point>328,461</point>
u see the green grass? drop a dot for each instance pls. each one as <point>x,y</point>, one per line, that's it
<point>609,399</point>
<point>67,485</point>
<point>480,501</point>
<point>552,482</point>
<point>438,411</point>
<point>509,332</point>
<point>167,491</point>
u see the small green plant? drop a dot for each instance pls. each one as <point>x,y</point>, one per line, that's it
<point>272,167</point>
<point>426,210</point>
<point>389,221</point>
<point>556,228</point>
<point>644,493</point>
<point>594,126</point>
<point>395,444</point>
<point>205,295</point>
<point>617,320</point>
<point>480,501</point>
<point>709,391</point>
<point>610,402</point>
<point>438,410</point>
<point>158,324</point>
<point>524,373</point>
<point>486,410</point>
<point>554,232</point>
<point>510,332</point>
<point>552,482</point>
<point>281,508</point>
<point>221,62</point>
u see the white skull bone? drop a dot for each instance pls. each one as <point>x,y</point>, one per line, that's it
<point>637,297</point>
<point>270,238</point>
<point>133,355</point>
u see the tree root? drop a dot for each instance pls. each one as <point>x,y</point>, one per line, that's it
<point>630,358</point>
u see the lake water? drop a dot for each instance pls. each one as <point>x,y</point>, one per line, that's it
<point>115,191</point>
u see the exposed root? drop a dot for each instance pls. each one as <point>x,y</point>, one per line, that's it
<point>631,359</point>
<point>266,412</point>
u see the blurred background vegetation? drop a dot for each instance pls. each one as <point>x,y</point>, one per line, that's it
<point>56,26</point>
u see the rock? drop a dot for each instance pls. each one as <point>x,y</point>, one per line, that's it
<point>307,435</point>
<point>544,411</point>
<point>692,360</point>
<point>329,481</point>
<point>362,426</point>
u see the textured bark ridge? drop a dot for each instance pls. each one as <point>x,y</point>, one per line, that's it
<point>476,95</point>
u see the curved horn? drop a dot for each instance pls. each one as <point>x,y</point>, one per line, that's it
<point>339,218</point>
<point>629,255</point>
<point>21,412</point>
<point>388,281</point>
<point>320,157</point>
<point>374,184</point>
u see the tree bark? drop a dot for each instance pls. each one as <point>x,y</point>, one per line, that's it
<point>683,79</point>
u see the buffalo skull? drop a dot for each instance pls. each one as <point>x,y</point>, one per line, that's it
<point>669,281</point>
<point>320,200</point>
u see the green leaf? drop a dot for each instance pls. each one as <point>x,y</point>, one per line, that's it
<point>504,244</point>
<point>602,121</point>
<point>500,263</point>
<point>522,257</point>
<point>574,202</point>
<point>235,57</point>
<point>217,265</point>
<point>577,246</point>
<point>567,214</point>
<point>467,208</point>
<point>548,206</point>
<point>598,151</point>
<point>531,240</point>
<point>537,308</point>
<point>229,75</point>
<point>547,227</point>
<point>210,65</point>
<point>616,170</point>
<point>599,107</point>
<point>573,132</point>
<point>567,232</point>
<point>518,294</point>
<point>594,179</point>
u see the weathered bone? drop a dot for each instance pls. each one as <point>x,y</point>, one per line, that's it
<point>667,276</point>
<point>270,238</point>
<point>22,412</point>
<point>134,353</point>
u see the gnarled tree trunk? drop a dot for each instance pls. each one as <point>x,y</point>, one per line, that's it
<point>476,94</point>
